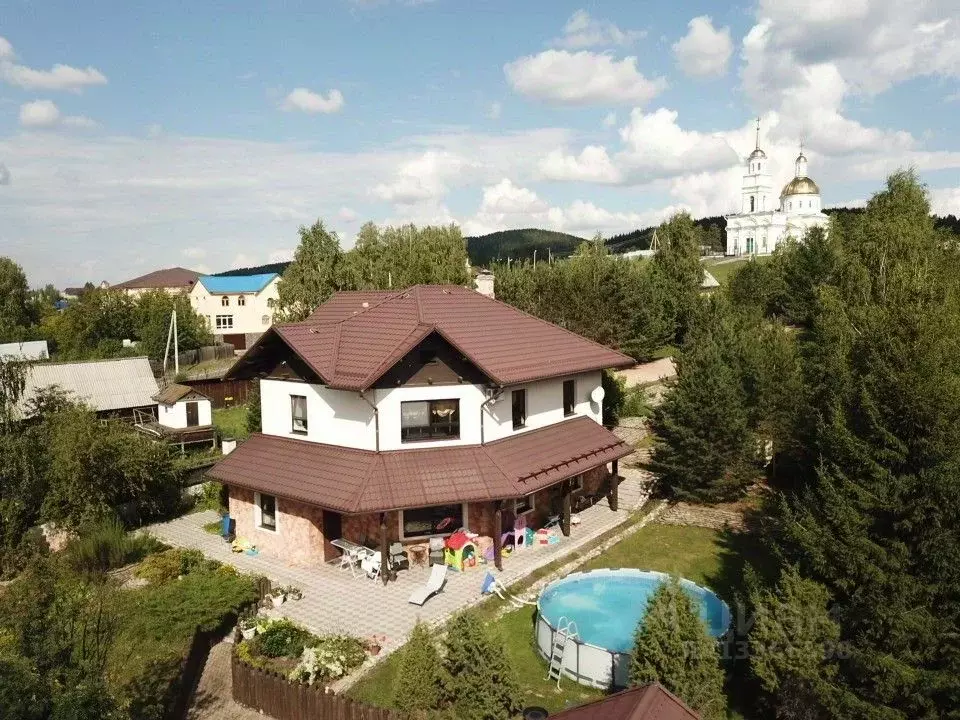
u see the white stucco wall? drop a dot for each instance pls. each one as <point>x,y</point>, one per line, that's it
<point>334,417</point>
<point>247,318</point>
<point>175,416</point>
<point>343,418</point>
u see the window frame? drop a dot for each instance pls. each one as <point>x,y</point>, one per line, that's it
<point>464,521</point>
<point>531,504</point>
<point>522,392</point>
<point>241,301</point>
<point>221,322</point>
<point>258,513</point>
<point>224,301</point>
<point>572,384</point>
<point>293,415</point>
<point>430,437</point>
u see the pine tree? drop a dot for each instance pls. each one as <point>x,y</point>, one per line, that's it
<point>416,687</point>
<point>478,681</point>
<point>704,447</point>
<point>674,648</point>
<point>677,262</point>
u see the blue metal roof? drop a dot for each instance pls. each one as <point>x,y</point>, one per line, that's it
<point>236,283</point>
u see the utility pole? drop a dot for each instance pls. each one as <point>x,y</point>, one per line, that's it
<point>172,335</point>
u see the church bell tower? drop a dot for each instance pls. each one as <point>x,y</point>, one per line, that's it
<point>757,195</point>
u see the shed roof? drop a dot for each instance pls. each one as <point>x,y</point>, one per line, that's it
<point>175,392</point>
<point>236,283</point>
<point>29,350</point>
<point>354,338</point>
<point>166,278</point>
<point>647,702</point>
<point>358,481</point>
<point>114,384</point>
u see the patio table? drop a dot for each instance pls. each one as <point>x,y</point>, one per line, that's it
<point>353,554</point>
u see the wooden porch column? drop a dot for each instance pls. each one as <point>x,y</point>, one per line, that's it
<point>497,534</point>
<point>614,486</point>
<point>385,570</point>
<point>565,512</point>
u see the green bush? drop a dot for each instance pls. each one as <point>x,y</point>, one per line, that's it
<point>416,687</point>
<point>22,692</point>
<point>282,638</point>
<point>106,546</point>
<point>211,497</point>
<point>171,564</point>
<point>635,403</point>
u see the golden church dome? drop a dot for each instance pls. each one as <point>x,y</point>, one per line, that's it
<point>800,186</point>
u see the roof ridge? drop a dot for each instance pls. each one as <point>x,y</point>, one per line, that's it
<point>420,331</point>
<point>357,313</point>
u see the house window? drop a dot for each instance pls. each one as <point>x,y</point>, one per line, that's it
<point>524,505</point>
<point>225,301</point>
<point>265,319</point>
<point>751,203</point>
<point>224,322</point>
<point>241,301</point>
<point>438,520</point>
<point>265,512</point>
<point>569,397</point>
<point>519,398</point>
<point>429,420</point>
<point>270,302</point>
<point>298,414</point>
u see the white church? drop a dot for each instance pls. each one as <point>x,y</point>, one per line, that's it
<point>763,222</point>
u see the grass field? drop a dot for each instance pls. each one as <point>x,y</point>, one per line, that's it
<point>724,268</point>
<point>232,422</point>
<point>692,552</point>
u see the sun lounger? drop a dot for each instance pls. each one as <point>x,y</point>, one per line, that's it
<point>438,576</point>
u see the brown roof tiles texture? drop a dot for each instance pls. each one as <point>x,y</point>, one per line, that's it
<point>351,346</point>
<point>647,702</point>
<point>169,277</point>
<point>358,481</point>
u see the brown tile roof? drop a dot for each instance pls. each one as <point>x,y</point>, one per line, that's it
<point>354,338</point>
<point>169,277</point>
<point>647,702</point>
<point>174,392</point>
<point>358,481</point>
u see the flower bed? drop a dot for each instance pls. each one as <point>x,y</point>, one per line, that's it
<point>284,647</point>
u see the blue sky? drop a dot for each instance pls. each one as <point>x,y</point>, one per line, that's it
<point>142,136</point>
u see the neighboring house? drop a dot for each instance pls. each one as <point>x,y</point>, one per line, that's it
<point>113,388</point>
<point>72,293</point>
<point>647,702</point>
<point>765,221</point>
<point>29,350</point>
<point>238,308</point>
<point>176,280</point>
<point>184,416</point>
<point>404,415</point>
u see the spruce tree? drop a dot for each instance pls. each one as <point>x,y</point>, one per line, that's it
<point>478,681</point>
<point>416,687</point>
<point>674,648</point>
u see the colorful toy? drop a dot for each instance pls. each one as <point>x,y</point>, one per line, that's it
<point>460,552</point>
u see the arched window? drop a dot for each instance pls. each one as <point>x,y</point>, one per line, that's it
<point>752,203</point>
<point>241,301</point>
<point>225,301</point>
<point>270,302</point>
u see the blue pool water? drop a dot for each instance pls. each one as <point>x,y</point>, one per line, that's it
<point>607,605</point>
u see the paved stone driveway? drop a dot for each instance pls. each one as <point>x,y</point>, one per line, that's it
<point>336,602</point>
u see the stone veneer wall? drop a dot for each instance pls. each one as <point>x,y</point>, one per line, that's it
<point>299,536</point>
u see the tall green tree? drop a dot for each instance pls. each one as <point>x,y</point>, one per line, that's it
<point>94,325</point>
<point>673,647</point>
<point>151,318</point>
<point>312,276</point>
<point>677,262</point>
<point>417,685</point>
<point>873,506</point>
<point>14,312</point>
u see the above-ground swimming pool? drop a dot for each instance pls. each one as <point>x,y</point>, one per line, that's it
<point>606,606</point>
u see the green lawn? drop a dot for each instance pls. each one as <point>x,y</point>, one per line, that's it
<point>232,422</point>
<point>695,553</point>
<point>723,269</point>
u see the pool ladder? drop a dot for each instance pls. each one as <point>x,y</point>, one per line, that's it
<point>566,630</point>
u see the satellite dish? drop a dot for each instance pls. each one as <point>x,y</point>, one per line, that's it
<point>597,395</point>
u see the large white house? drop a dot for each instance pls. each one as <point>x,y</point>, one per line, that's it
<point>765,220</point>
<point>404,415</point>
<point>238,308</point>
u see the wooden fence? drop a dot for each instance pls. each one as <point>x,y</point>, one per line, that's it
<point>222,393</point>
<point>274,695</point>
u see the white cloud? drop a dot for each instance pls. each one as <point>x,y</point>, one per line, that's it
<point>583,31</point>
<point>347,214</point>
<point>945,201</point>
<point>80,121</point>
<point>581,78</point>
<point>280,255</point>
<point>39,114</point>
<point>243,260</point>
<point>495,110</point>
<point>610,119</point>
<point>195,253</point>
<point>653,147</point>
<point>6,49</point>
<point>422,179</point>
<point>705,50</point>
<point>308,101</point>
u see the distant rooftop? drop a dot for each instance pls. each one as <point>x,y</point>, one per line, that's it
<point>29,350</point>
<point>166,278</point>
<point>236,283</point>
<point>114,384</point>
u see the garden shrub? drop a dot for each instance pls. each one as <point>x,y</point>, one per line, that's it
<point>211,497</point>
<point>106,546</point>
<point>416,687</point>
<point>332,657</point>
<point>23,695</point>
<point>282,638</point>
<point>171,564</point>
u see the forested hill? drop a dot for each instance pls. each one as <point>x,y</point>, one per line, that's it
<point>520,244</point>
<point>713,228</point>
<point>257,270</point>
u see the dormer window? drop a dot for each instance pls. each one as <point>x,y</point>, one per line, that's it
<point>429,420</point>
<point>241,301</point>
<point>225,301</point>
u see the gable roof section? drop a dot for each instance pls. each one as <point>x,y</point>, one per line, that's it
<point>647,702</point>
<point>353,339</point>
<point>175,392</point>
<point>236,283</point>
<point>103,384</point>
<point>169,277</point>
<point>349,480</point>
